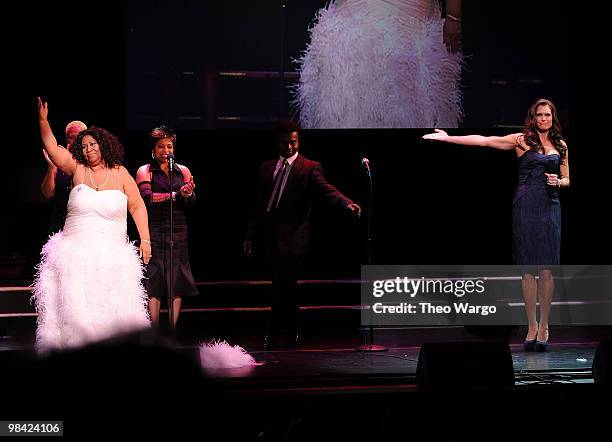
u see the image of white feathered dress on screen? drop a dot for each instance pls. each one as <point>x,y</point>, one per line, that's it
<point>378,63</point>
<point>88,286</point>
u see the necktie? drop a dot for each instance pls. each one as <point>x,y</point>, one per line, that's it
<point>278,181</point>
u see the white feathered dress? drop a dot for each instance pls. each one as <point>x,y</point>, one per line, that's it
<point>378,63</point>
<point>88,286</point>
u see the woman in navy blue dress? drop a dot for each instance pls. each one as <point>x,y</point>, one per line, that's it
<point>536,214</point>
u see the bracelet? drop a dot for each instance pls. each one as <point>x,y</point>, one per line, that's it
<point>146,240</point>
<point>453,18</point>
<point>559,182</point>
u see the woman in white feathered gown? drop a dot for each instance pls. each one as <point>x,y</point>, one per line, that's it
<point>88,287</point>
<point>382,63</point>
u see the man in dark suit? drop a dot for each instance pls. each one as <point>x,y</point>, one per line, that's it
<point>288,187</point>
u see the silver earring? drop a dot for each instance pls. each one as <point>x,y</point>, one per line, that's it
<point>152,156</point>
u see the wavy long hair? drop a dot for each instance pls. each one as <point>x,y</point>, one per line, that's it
<point>530,130</point>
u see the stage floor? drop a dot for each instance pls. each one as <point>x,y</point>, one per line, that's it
<point>322,388</point>
<point>331,361</point>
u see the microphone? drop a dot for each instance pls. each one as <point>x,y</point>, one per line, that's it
<point>366,163</point>
<point>171,162</point>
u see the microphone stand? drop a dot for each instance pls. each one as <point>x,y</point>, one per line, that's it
<point>371,347</point>
<point>170,284</point>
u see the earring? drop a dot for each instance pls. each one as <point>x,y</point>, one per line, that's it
<point>152,156</point>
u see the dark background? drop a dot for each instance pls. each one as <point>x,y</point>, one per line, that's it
<point>434,203</point>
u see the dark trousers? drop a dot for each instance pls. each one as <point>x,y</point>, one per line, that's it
<point>285,274</point>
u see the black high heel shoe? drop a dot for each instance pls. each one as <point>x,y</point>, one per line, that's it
<point>542,346</point>
<point>529,345</point>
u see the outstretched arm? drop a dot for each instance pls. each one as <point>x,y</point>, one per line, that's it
<point>60,157</point>
<point>330,193</point>
<point>508,142</point>
<point>138,210</point>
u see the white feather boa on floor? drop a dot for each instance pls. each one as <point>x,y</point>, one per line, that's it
<point>220,354</point>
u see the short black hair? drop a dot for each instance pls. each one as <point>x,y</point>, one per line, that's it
<point>159,133</point>
<point>287,127</point>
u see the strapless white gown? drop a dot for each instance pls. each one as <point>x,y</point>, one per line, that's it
<point>378,63</point>
<point>88,286</point>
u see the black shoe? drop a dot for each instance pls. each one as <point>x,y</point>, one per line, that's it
<point>277,342</point>
<point>542,345</point>
<point>529,345</point>
<point>294,340</point>
<point>270,342</point>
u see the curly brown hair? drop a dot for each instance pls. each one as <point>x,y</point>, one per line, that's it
<point>530,129</point>
<point>111,148</point>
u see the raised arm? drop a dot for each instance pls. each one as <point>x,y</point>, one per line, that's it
<point>48,185</point>
<point>508,142</point>
<point>138,210</point>
<point>58,156</point>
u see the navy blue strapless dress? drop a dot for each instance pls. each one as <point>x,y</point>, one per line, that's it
<point>536,212</point>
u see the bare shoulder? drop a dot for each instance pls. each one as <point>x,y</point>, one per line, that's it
<point>124,175</point>
<point>185,170</point>
<point>519,138</point>
<point>143,169</point>
<point>520,145</point>
<point>142,174</point>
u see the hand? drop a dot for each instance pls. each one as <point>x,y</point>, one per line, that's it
<point>145,251</point>
<point>355,209</point>
<point>247,248</point>
<point>452,35</point>
<point>49,162</point>
<point>438,135</point>
<point>43,109</point>
<point>187,188</point>
<point>552,179</point>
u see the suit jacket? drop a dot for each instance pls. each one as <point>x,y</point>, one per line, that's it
<point>286,228</point>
